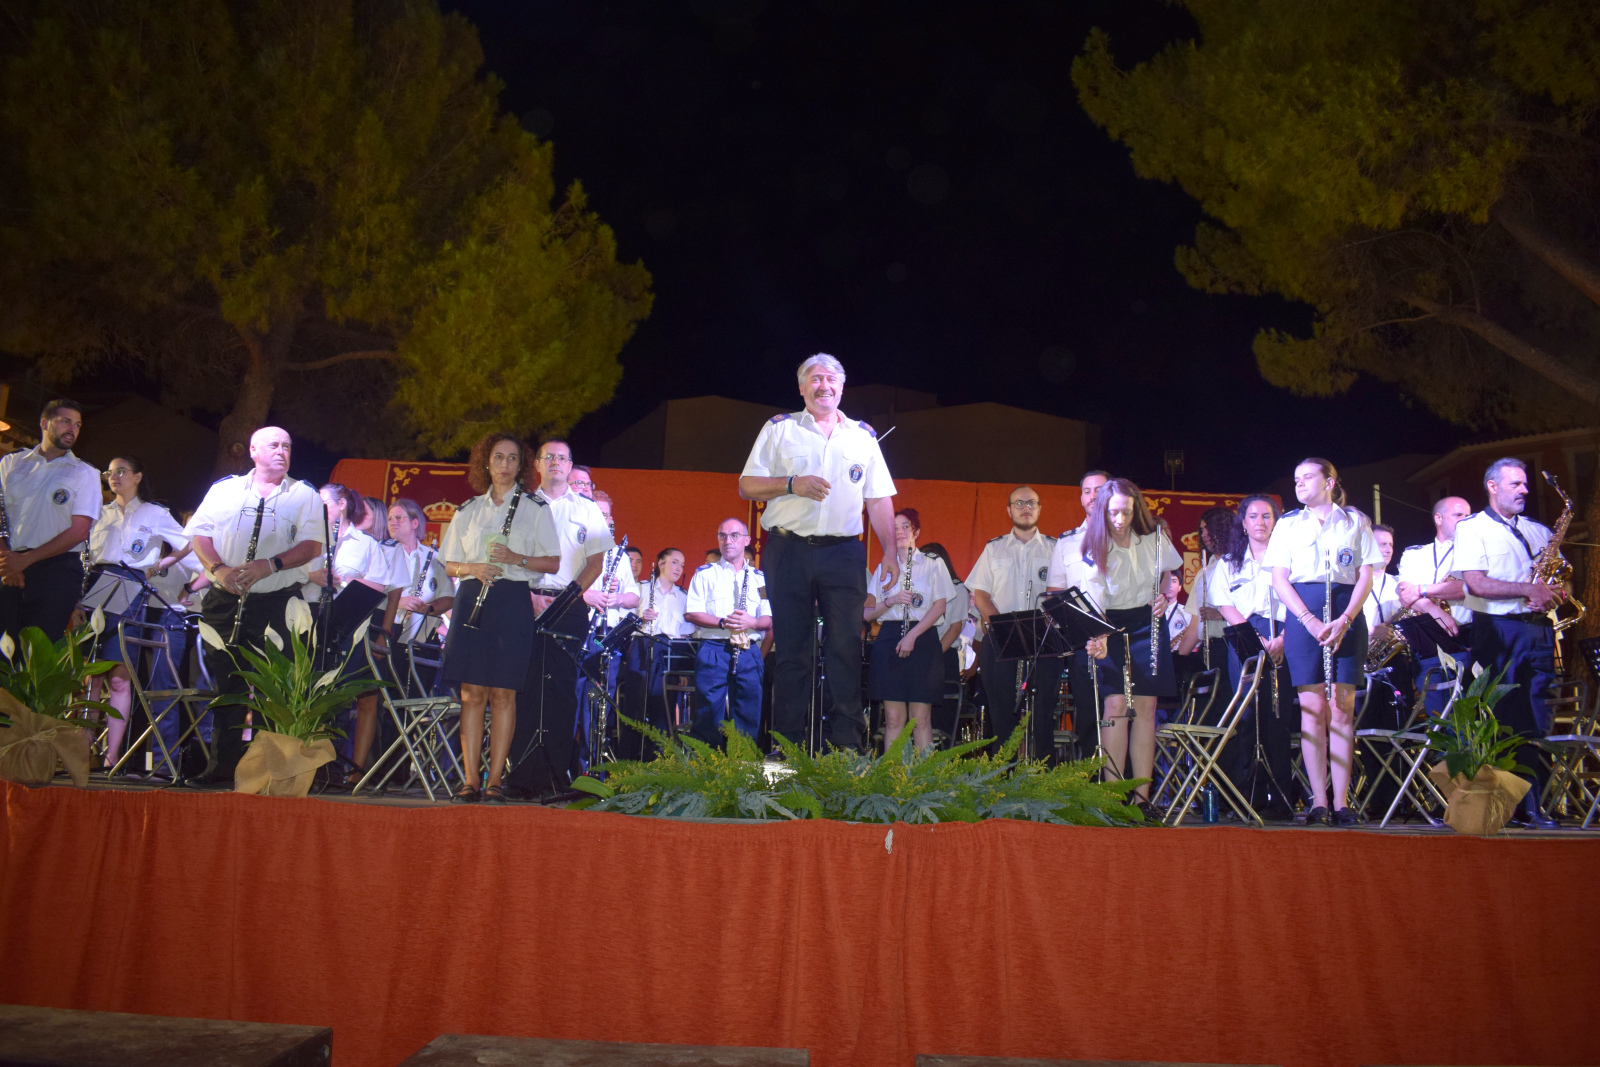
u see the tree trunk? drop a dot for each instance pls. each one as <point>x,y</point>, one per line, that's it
<point>1583,386</point>
<point>1552,252</point>
<point>254,399</point>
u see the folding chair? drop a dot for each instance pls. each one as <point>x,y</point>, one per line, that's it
<point>1202,745</point>
<point>1198,698</point>
<point>136,638</point>
<point>1407,748</point>
<point>1573,748</point>
<point>423,725</point>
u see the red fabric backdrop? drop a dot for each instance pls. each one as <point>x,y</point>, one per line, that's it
<point>393,925</point>
<point>681,509</point>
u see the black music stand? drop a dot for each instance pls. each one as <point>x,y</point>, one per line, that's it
<point>1246,642</point>
<point>569,599</point>
<point>1027,636</point>
<point>1426,638</point>
<point>1077,617</point>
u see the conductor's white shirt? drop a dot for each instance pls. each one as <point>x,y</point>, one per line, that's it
<point>848,459</point>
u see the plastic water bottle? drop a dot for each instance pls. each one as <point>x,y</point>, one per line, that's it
<point>1208,803</point>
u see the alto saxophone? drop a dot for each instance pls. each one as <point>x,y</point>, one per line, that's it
<point>1551,569</point>
<point>742,639</point>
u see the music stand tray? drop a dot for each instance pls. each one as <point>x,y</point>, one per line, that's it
<point>1026,635</point>
<point>558,607</point>
<point>1427,639</point>
<point>1244,641</point>
<point>1076,617</point>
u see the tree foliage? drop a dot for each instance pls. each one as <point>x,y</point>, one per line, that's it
<point>308,193</point>
<point>1425,175</point>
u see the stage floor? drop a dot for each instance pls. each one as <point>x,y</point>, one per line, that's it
<point>393,922</point>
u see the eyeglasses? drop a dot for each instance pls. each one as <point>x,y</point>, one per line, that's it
<point>117,472</point>
<point>555,457</point>
<point>1025,504</point>
<point>736,536</point>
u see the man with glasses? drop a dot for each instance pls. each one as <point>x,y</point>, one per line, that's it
<point>728,599</point>
<point>1010,575</point>
<point>581,481</point>
<point>282,520</point>
<point>547,720</point>
<point>818,470</point>
<point>52,498</point>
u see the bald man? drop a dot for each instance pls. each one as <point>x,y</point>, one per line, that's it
<point>254,533</point>
<point>1425,585</point>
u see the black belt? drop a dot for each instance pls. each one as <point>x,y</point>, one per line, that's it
<point>1524,616</point>
<point>815,540</point>
<point>548,592</point>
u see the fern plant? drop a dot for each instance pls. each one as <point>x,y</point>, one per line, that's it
<point>692,779</point>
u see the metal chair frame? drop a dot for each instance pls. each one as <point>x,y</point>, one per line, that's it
<point>1408,747</point>
<point>182,697</point>
<point>423,728</point>
<point>1202,746</point>
<point>1169,750</point>
<point>1571,786</point>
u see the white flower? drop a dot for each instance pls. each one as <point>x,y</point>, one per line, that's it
<point>7,646</point>
<point>361,631</point>
<point>97,622</point>
<point>209,635</point>
<point>298,615</point>
<point>327,679</point>
<point>272,635</point>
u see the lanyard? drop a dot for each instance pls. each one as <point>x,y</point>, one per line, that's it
<point>1447,553</point>
<point>1495,515</point>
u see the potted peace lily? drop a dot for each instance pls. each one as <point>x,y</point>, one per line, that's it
<point>43,703</point>
<point>1477,774</point>
<point>287,693</point>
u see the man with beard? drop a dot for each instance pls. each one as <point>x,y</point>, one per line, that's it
<point>52,498</point>
<point>1011,575</point>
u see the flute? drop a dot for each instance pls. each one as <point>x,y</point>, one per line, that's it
<point>1157,612</point>
<point>1327,617</point>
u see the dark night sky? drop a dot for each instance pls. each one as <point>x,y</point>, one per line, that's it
<point>913,188</point>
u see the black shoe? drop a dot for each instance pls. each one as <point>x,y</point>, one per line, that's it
<point>494,795</point>
<point>215,779</point>
<point>1317,816</point>
<point>467,795</point>
<point>1346,817</point>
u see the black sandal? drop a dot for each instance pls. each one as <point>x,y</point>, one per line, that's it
<point>468,794</point>
<point>494,795</point>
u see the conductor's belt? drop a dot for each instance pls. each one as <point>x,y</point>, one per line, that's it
<point>815,540</point>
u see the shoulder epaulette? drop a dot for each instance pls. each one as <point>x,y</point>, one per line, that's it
<point>226,477</point>
<point>1289,514</point>
<point>992,540</point>
<point>870,431</point>
<point>541,501</point>
<point>779,418</point>
<point>1047,537</point>
<point>702,567</point>
<point>388,542</point>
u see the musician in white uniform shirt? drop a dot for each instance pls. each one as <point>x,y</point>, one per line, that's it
<point>255,534</point>
<point>1130,552</point>
<point>817,470</point>
<point>1324,538</point>
<point>543,755</point>
<point>1383,603</point>
<point>497,546</point>
<point>1065,564</point>
<point>907,596</point>
<point>1241,591</point>
<point>427,592</point>
<point>1496,553</point>
<point>661,608</point>
<point>1426,586</point>
<point>1010,575</point>
<point>622,595</point>
<point>727,603</point>
<point>1213,532</point>
<point>143,537</point>
<point>51,499</point>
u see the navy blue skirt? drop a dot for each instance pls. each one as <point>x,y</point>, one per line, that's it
<point>1136,621</point>
<point>496,650</point>
<point>1305,655</point>
<point>914,679</point>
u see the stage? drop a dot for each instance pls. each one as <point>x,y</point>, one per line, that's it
<point>393,924</point>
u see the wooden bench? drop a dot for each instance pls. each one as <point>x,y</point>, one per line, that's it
<point>59,1037</point>
<point>465,1050</point>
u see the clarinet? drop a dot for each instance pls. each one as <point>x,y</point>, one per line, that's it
<point>416,589</point>
<point>651,625</point>
<point>905,585</point>
<point>597,615</point>
<point>505,531</point>
<point>1205,627</point>
<point>249,558</point>
<point>13,580</point>
<point>1156,613</point>
<point>1272,635</point>
<point>743,639</point>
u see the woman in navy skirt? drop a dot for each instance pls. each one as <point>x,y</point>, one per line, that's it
<point>907,665</point>
<point>1324,541</point>
<point>497,540</point>
<point>1129,553</point>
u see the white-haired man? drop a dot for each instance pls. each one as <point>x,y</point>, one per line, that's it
<point>817,470</point>
<point>253,533</point>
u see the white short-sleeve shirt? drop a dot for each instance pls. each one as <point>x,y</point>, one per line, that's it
<point>1067,569</point>
<point>670,604</point>
<point>290,514</point>
<point>930,581</point>
<point>956,609</point>
<point>1129,580</point>
<point>582,529</point>
<point>1246,588</point>
<point>1430,564</point>
<point>1015,573</point>
<point>425,578</point>
<point>848,459</point>
<point>359,556</point>
<point>1305,545</point>
<point>1486,542</point>
<point>715,589</point>
<point>1383,603</point>
<point>134,537</point>
<point>622,581</point>
<point>43,495</point>
<point>1200,597</point>
<point>477,522</point>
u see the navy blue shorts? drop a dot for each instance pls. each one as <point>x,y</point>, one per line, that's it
<point>1305,655</point>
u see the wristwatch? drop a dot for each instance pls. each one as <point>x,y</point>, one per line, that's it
<point>277,564</point>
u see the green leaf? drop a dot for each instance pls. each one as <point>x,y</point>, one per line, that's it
<point>593,786</point>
